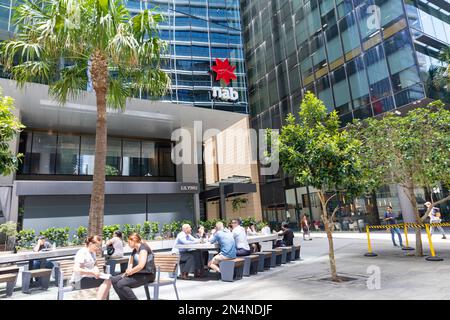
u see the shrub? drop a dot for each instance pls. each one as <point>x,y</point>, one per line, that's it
<point>26,239</point>
<point>60,236</point>
<point>80,235</point>
<point>246,222</point>
<point>108,231</point>
<point>128,229</point>
<point>149,230</point>
<point>166,230</point>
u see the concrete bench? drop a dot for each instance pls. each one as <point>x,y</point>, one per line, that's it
<point>265,259</point>
<point>9,275</point>
<point>296,252</point>
<point>276,257</point>
<point>42,274</point>
<point>286,255</point>
<point>231,270</point>
<point>112,263</point>
<point>251,264</point>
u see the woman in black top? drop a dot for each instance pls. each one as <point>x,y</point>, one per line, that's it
<point>141,269</point>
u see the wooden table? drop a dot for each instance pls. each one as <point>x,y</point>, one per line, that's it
<point>209,246</point>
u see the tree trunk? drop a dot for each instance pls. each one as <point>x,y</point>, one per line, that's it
<point>329,230</point>
<point>99,74</point>
<point>412,198</point>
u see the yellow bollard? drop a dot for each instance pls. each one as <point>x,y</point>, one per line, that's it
<point>433,256</point>
<point>407,247</point>
<point>369,245</point>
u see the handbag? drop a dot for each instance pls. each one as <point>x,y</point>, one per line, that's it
<point>110,250</point>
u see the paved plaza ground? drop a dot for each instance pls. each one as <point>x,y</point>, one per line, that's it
<point>401,276</point>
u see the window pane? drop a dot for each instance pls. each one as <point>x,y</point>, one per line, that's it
<point>87,155</point>
<point>131,158</point>
<point>44,153</point>
<point>149,160</point>
<point>67,157</point>
<point>113,155</point>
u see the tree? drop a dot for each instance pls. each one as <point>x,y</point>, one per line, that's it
<point>71,45</point>
<point>412,151</point>
<point>9,128</point>
<point>315,152</point>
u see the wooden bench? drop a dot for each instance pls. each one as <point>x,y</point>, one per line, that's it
<point>231,270</point>
<point>276,257</point>
<point>64,270</point>
<point>112,262</point>
<point>250,265</point>
<point>167,263</point>
<point>9,275</point>
<point>265,261</point>
<point>42,274</point>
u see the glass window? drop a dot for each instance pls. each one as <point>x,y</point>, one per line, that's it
<point>67,156</point>
<point>340,86</point>
<point>131,158</point>
<point>324,92</point>
<point>357,78</point>
<point>166,166</point>
<point>87,156</point>
<point>333,44</point>
<point>349,33</point>
<point>113,157</point>
<point>378,73</point>
<point>43,153</point>
<point>149,159</point>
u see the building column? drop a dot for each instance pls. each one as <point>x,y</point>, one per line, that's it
<point>405,204</point>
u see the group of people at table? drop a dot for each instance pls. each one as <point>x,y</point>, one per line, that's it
<point>141,266</point>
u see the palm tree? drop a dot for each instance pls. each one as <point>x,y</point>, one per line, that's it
<point>73,44</point>
<point>442,79</point>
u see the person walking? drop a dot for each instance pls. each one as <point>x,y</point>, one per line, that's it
<point>435,217</point>
<point>390,219</point>
<point>305,228</point>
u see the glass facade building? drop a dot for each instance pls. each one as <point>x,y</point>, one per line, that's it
<point>197,32</point>
<point>361,57</point>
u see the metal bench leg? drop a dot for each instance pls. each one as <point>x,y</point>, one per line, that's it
<point>147,292</point>
<point>156,292</point>
<point>26,280</point>
<point>176,291</point>
<point>10,287</point>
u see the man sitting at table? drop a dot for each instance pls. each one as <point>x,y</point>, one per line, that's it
<point>288,236</point>
<point>227,246</point>
<point>240,237</point>
<point>190,259</point>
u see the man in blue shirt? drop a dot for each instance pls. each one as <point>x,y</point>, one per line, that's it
<point>227,246</point>
<point>389,218</point>
<point>190,259</point>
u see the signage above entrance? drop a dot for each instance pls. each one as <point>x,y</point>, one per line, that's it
<point>226,72</point>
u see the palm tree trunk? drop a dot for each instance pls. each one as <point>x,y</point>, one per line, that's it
<point>99,73</point>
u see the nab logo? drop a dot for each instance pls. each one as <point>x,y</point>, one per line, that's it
<point>224,70</point>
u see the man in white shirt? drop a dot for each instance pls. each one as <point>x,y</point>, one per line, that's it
<point>240,237</point>
<point>190,259</point>
<point>435,217</point>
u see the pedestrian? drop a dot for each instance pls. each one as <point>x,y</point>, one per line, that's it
<point>305,228</point>
<point>435,217</point>
<point>390,219</point>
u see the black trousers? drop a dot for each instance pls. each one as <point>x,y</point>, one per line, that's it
<point>191,261</point>
<point>123,285</point>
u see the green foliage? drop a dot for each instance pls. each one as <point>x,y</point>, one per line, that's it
<point>80,235</point>
<point>108,231</point>
<point>60,236</point>
<point>166,229</point>
<point>412,150</point>
<point>9,128</point>
<point>317,153</point>
<point>128,229</point>
<point>111,171</point>
<point>238,203</point>
<point>246,222</point>
<point>48,31</point>
<point>26,239</point>
<point>149,230</point>
<point>9,229</point>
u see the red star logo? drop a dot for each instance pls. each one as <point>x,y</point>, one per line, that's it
<point>224,71</point>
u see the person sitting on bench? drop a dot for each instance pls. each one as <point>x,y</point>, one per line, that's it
<point>288,236</point>
<point>42,245</point>
<point>141,269</point>
<point>240,237</point>
<point>190,259</point>
<point>86,274</point>
<point>116,243</point>
<point>227,246</point>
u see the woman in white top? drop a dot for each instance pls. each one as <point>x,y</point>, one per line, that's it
<point>251,230</point>
<point>117,243</point>
<point>265,230</point>
<point>85,271</point>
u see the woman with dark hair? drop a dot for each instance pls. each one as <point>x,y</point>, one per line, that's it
<point>115,243</point>
<point>86,273</point>
<point>141,269</point>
